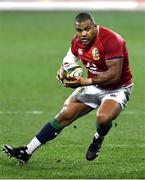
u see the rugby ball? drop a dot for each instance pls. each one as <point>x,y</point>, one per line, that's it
<point>72,71</point>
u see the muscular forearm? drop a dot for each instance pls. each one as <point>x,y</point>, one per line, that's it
<point>105,78</point>
<point>112,75</point>
<point>102,79</point>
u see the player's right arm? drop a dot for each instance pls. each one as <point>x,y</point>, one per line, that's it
<point>69,58</point>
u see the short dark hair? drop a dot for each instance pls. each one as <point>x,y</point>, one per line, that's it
<point>83,16</point>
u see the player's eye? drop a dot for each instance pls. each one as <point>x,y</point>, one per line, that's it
<point>87,28</point>
<point>79,30</point>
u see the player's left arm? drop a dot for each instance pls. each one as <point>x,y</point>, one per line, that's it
<point>111,76</point>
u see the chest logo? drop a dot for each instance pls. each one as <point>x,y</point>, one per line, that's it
<point>80,52</point>
<point>95,54</point>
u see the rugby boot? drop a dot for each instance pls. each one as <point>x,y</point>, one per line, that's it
<point>94,148</point>
<point>18,152</point>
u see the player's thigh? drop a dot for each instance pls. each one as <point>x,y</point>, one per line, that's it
<point>72,109</point>
<point>108,111</point>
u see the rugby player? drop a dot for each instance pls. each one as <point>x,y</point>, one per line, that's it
<point>107,87</point>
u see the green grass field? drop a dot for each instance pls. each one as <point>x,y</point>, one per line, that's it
<point>32,45</point>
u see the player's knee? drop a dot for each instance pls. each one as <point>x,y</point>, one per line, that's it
<point>102,118</point>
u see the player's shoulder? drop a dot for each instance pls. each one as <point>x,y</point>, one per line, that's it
<point>106,33</point>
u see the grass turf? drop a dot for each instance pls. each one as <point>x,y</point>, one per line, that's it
<point>32,45</point>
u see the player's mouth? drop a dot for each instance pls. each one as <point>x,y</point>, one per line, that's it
<point>85,41</point>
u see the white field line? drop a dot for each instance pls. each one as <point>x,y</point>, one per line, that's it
<point>39,112</point>
<point>34,112</point>
<point>106,145</point>
<point>133,112</point>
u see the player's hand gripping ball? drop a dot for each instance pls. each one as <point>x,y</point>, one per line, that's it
<point>72,71</point>
<point>69,72</point>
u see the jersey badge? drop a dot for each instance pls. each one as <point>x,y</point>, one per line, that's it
<point>80,52</point>
<point>95,54</point>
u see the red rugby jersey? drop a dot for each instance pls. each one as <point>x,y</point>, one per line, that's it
<point>107,45</point>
